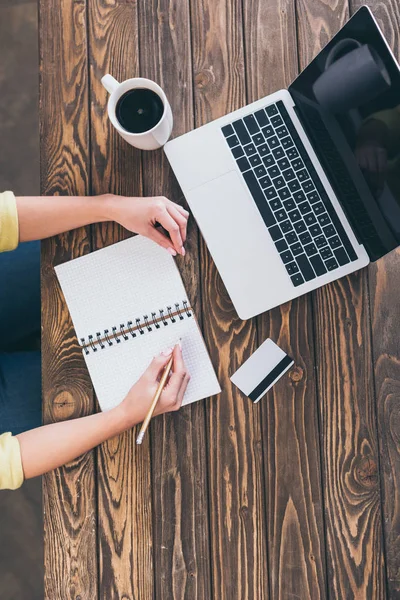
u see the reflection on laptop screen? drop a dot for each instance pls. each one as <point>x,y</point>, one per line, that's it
<point>348,100</point>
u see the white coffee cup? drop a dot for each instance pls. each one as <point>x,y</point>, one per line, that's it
<point>148,140</point>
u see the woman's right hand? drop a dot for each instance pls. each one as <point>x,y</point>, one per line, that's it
<point>138,400</point>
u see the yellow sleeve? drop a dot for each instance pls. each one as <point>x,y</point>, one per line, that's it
<point>9,233</point>
<point>11,473</point>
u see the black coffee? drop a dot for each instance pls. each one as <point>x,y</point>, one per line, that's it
<point>139,110</point>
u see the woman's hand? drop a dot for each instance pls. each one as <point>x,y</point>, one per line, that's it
<point>142,214</point>
<point>138,401</point>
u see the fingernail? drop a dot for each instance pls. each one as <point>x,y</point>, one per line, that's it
<point>183,251</point>
<point>171,251</point>
<point>167,352</point>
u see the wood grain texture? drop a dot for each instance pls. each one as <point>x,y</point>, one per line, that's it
<point>385,315</point>
<point>294,502</point>
<point>345,382</point>
<point>124,484</point>
<point>69,494</point>
<point>179,478</point>
<point>237,518</point>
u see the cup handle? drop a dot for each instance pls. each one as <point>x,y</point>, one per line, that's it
<point>110,83</point>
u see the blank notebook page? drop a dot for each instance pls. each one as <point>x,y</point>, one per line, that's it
<point>119,284</point>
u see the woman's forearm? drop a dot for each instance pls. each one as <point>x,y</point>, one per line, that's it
<point>51,446</point>
<point>40,217</point>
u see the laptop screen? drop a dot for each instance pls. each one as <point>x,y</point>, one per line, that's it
<point>348,100</point>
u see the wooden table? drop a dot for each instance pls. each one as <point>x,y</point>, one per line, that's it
<point>296,497</point>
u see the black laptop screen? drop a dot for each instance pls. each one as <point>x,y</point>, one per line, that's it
<point>348,100</point>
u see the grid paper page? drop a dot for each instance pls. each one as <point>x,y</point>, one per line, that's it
<point>120,283</point>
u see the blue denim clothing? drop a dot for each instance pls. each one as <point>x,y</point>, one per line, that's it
<point>20,371</point>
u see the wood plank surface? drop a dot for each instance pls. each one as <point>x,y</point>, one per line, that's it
<point>69,494</point>
<point>349,444</point>
<point>237,519</point>
<point>384,284</point>
<point>290,427</point>
<point>124,470</point>
<point>179,456</point>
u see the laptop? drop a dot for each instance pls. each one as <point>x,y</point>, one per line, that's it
<point>301,187</point>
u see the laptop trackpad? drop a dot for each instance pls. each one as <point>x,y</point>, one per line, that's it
<point>238,240</point>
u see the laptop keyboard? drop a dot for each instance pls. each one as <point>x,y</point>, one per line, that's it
<point>288,193</point>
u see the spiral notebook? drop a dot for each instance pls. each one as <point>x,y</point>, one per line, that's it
<point>127,304</point>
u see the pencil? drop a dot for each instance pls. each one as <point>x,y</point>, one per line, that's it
<point>157,395</point>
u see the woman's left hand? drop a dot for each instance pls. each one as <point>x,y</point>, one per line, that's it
<point>141,215</point>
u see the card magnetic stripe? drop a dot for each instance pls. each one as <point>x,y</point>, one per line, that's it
<point>270,378</point>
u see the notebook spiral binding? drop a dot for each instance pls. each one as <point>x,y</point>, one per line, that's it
<point>131,329</point>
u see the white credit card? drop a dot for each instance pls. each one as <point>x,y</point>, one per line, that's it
<point>264,367</point>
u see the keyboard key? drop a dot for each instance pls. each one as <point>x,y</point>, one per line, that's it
<point>259,198</point>
<point>258,139</point>
<point>286,256</point>
<point>271,110</point>
<point>273,171</point>
<point>310,219</point>
<point>250,149</point>
<point>270,193</point>
<point>331,264</point>
<point>296,248</point>
<point>275,232</point>
<point>341,256</point>
<point>310,249</point>
<point>283,164</point>
<point>291,237</point>
<point>284,193</point>
<point>263,150</point>
<point>320,241</point>
<point>268,131</point>
<point>232,141</point>
<point>228,130</point>
<point>292,268</point>
<point>318,208</point>
<point>324,219</point>
<point>315,230</point>
<point>241,132</point>
<point>273,142</point>
<point>289,174</point>
<point>294,185</point>
<point>238,151</point>
<point>261,117</point>
<point>313,197</point>
<point>279,183</point>
<point>280,214</point>
<point>292,153</point>
<point>260,171</point>
<point>299,196</point>
<point>307,185</point>
<point>281,131</point>
<point>278,153</point>
<point>326,253</point>
<point>281,245</point>
<point>287,142</point>
<point>243,164</point>
<point>251,124</point>
<point>335,242</point>
<point>286,226</point>
<point>302,175</point>
<point>297,279</point>
<point>276,121</point>
<point>297,164</point>
<point>268,160</point>
<point>305,267</point>
<point>300,226</point>
<point>329,231</point>
<point>304,208</point>
<point>275,204</point>
<point>318,264</point>
<point>255,160</point>
<point>305,238</point>
<point>265,182</point>
<point>294,216</point>
<point>289,204</point>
